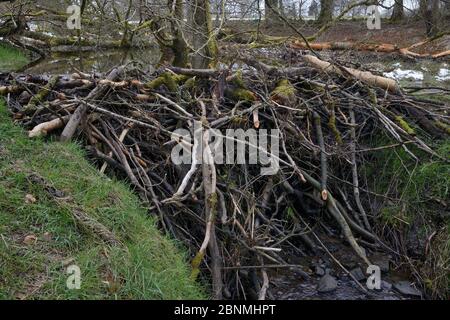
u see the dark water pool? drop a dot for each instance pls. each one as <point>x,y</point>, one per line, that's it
<point>95,61</point>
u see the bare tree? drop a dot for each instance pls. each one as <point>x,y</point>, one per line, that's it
<point>397,13</point>
<point>429,9</point>
<point>313,9</point>
<point>446,7</point>
<point>270,14</point>
<point>203,37</point>
<point>326,11</point>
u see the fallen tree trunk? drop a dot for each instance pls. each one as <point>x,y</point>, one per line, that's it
<point>75,119</point>
<point>364,76</point>
<point>46,127</point>
<point>383,47</point>
<point>66,44</point>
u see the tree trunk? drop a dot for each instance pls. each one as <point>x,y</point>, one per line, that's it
<point>179,45</point>
<point>429,9</point>
<point>175,50</point>
<point>281,7</point>
<point>203,38</point>
<point>270,15</point>
<point>447,8</point>
<point>326,11</point>
<point>397,13</point>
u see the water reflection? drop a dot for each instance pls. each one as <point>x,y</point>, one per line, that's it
<point>95,61</point>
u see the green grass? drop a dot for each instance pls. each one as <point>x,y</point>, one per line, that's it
<point>11,58</point>
<point>147,265</point>
<point>419,185</point>
<point>423,193</point>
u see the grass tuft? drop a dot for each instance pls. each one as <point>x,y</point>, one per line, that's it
<point>420,215</point>
<point>11,59</point>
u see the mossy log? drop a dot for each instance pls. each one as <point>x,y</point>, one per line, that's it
<point>168,79</point>
<point>284,93</point>
<point>41,95</point>
<point>237,90</point>
<point>55,41</point>
<point>404,125</point>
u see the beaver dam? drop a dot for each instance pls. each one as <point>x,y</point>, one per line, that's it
<point>308,229</point>
<point>289,152</point>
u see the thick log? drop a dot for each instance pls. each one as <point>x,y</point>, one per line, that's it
<point>79,113</point>
<point>46,127</point>
<point>195,72</point>
<point>382,47</point>
<point>4,90</point>
<point>364,76</point>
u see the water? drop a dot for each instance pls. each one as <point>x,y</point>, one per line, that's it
<point>425,73</point>
<point>289,284</point>
<point>95,61</point>
<point>286,289</point>
<point>409,73</point>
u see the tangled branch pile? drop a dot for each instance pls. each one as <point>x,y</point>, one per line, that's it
<point>231,216</point>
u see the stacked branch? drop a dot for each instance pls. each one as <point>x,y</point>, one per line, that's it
<point>231,215</point>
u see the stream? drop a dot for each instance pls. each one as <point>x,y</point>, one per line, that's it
<point>427,73</point>
<point>95,61</point>
<point>318,285</point>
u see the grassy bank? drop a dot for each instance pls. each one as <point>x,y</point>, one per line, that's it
<point>40,235</point>
<point>11,58</point>
<point>415,215</point>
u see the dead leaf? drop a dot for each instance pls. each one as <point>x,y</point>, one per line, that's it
<point>21,296</point>
<point>30,239</point>
<point>29,198</point>
<point>67,261</point>
<point>47,236</point>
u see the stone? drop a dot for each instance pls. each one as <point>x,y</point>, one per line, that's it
<point>382,261</point>
<point>327,284</point>
<point>320,271</point>
<point>24,97</point>
<point>405,287</point>
<point>386,285</point>
<point>358,274</point>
